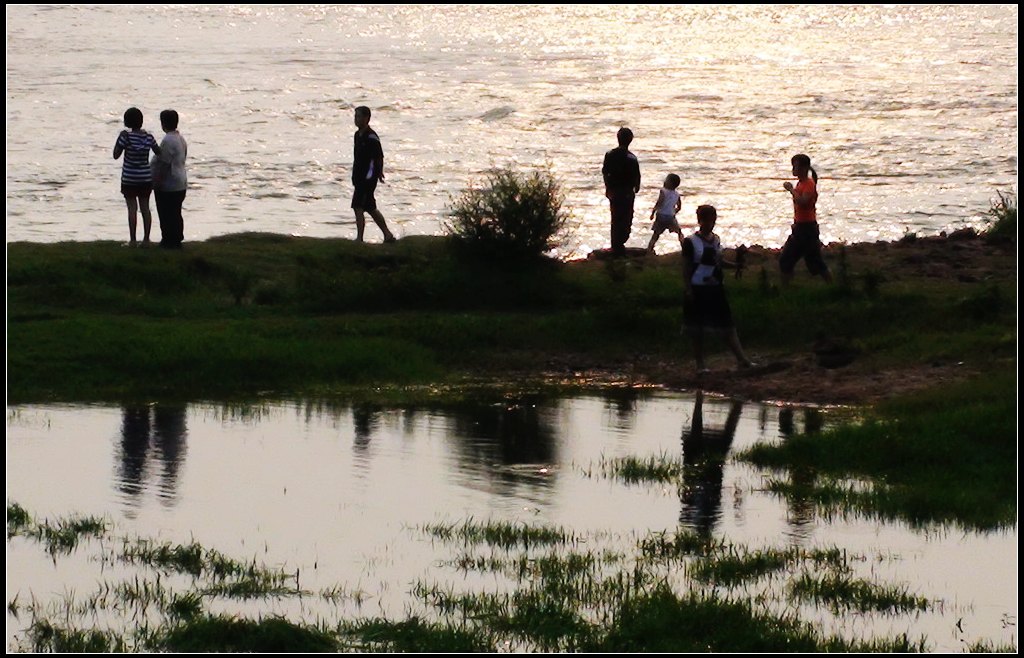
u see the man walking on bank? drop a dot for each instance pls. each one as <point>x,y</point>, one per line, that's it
<point>621,172</point>
<point>367,169</point>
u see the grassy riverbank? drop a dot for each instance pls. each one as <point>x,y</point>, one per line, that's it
<point>252,314</point>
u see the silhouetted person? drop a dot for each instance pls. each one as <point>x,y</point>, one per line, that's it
<point>367,170</point>
<point>704,452</point>
<point>804,241</point>
<point>705,307</point>
<point>170,181</point>
<point>136,176</point>
<point>621,173</point>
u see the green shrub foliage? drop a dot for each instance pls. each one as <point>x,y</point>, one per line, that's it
<point>511,214</point>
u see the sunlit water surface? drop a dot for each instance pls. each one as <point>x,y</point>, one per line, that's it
<point>909,112</point>
<point>340,495</point>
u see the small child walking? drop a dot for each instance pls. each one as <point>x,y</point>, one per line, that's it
<point>664,211</point>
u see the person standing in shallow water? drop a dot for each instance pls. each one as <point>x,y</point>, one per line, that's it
<point>367,170</point>
<point>621,173</point>
<point>170,181</point>
<point>804,241</point>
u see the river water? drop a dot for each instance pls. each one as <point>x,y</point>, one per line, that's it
<point>341,493</point>
<point>908,112</point>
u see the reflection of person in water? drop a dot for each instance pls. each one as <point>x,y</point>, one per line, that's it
<point>162,428</point>
<point>364,422</point>
<point>704,453</point>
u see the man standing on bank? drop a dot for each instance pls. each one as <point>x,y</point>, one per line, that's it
<point>621,172</point>
<point>367,169</point>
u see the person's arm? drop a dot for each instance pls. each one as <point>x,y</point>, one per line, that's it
<point>118,146</point>
<point>153,145</point>
<point>605,173</point>
<point>802,198</point>
<point>687,268</point>
<point>679,204</point>
<point>636,176</point>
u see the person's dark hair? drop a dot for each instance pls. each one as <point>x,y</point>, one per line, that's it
<point>805,161</point>
<point>625,136</point>
<point>169,120</point>
<point>133,118</point>
<point>706,212</point>
<point>362,109</point>
<point>673,180</point>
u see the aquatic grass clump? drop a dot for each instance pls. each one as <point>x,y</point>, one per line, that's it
<point>842,593</point>
<point>661,468</point>
<point>414,635</point>
<point>47,638</point>
<point>684,543</point>
<point>192,559</point>
<point>736,568</point>
<point>60,535</point>
<point>663,622</point>
<point>506,535</point>
<point>18,519</point>
<point>233,635</point>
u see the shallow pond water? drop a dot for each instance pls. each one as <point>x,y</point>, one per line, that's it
<point>340,494</point>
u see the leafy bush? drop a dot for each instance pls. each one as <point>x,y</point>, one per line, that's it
<point>512,214</point>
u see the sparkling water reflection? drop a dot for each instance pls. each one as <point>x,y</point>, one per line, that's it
<point>340,493</point>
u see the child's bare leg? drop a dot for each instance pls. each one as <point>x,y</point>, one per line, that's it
<point>360,224</point>
<point>733,340</point>
<point>378,219</point>
<point>654,238</point>
<point>133,215</point>
<point>147,217</point>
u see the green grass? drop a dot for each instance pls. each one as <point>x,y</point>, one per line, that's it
<point>251,313</point>
<point>941,456</point>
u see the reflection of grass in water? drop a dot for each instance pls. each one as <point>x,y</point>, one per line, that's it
<point>845,593</point>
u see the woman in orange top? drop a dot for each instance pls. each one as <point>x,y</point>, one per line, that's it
<point>804,242</point>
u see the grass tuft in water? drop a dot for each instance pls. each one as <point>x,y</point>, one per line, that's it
<point>661,546</point>
<point>17,518</point>
<point>634,470</point>
<point>45,637</point>
<point>415,635</point>
<point>842,593</point>
<point>506,535</point>
<point>230,634</point>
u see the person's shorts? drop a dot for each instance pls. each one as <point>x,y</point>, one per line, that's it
<point>136,189</point>
<point>804,242</point>
<point>666,223</point>
<point>707,309</point>
<point>362,197</point>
